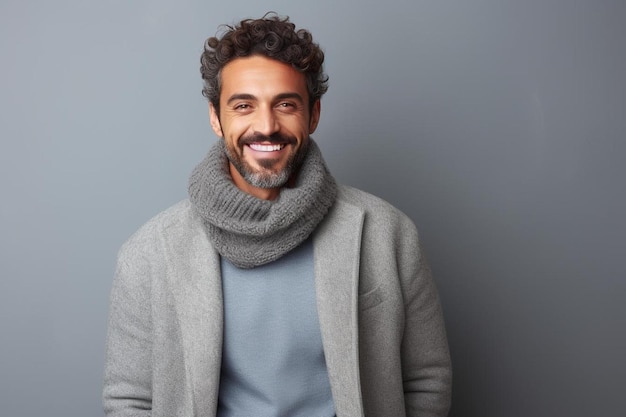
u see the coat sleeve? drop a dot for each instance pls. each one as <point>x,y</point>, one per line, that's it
<point>426,366</point>
<point>128,372</point>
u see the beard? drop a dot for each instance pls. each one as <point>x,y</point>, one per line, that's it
<point>269,175</point>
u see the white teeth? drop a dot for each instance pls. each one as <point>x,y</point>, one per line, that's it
<point>266,148</point>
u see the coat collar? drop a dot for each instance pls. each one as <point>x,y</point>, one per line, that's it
<point>337,247</point>
<point>199,306</point>
<point>200,313</point>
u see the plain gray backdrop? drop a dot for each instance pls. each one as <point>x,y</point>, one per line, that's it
<point>499,127</point>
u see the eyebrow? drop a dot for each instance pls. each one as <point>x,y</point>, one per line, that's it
<point>240,97</point>
<point>281,96</point>
<point>284,96</point>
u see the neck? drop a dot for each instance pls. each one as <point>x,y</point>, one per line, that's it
<point>249,230</point>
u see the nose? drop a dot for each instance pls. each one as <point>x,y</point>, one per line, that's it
<point>265,121</point>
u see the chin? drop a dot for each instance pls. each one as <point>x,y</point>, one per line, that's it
<point>264,180</point>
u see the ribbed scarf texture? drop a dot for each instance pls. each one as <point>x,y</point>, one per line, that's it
<point>249,231</point>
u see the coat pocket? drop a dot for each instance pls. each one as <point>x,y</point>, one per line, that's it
<point>372,298</point>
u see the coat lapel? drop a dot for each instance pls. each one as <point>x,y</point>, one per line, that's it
<point>199,306</point>
<point>337,244</point>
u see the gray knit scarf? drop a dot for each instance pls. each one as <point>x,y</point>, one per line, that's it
<point>249,231</point>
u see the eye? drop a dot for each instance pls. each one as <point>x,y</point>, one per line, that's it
<point>242,106</point>
<point>287,105</point>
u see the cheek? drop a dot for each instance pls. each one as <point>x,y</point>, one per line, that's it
<point>238,128</point>
<point>299,129</point>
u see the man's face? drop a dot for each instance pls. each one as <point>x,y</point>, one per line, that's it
<point>265,122</point>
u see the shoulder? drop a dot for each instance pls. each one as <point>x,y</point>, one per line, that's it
<point>174,223</point>
<point>378,213</point>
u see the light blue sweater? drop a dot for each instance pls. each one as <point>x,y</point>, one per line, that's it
<point>273,360</point>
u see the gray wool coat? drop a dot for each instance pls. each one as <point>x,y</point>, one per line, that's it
<point>380,317</point>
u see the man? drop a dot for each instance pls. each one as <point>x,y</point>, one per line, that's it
<point>272,291</point>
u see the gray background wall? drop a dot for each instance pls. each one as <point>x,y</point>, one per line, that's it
<point>498,126</point>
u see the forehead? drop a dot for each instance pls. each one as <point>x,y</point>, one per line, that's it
<point>261,76</point>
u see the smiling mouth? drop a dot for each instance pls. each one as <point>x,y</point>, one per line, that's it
<point>272,147</point>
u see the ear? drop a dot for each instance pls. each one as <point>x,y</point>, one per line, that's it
<point>315,116</point>
<point>215,121</point>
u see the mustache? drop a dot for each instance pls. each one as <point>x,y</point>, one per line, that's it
<point>275,138</point>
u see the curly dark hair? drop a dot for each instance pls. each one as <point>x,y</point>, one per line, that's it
<point>270,36</point>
